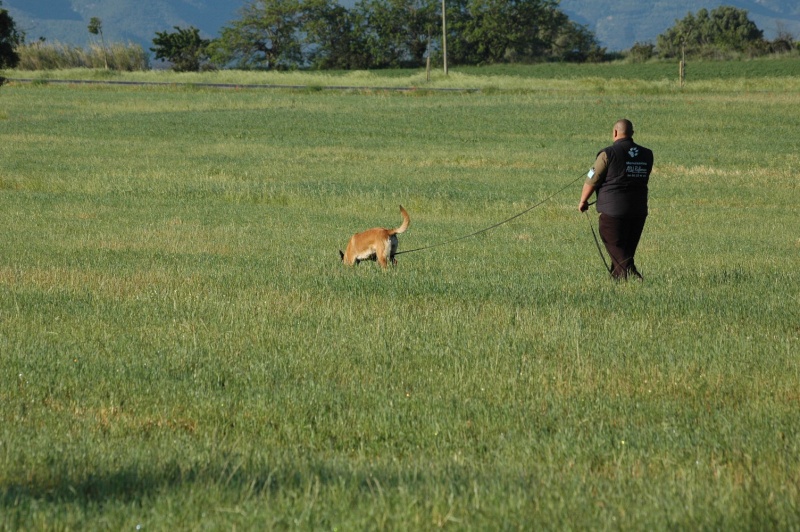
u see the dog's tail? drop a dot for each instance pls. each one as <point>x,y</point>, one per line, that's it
<point>404,225</point>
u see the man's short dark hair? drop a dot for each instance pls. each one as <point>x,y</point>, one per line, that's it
<point>624,126</point>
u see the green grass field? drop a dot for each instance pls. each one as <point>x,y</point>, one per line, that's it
<point>180,346</point>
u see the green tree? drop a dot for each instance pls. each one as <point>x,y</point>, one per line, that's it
<point>330,39</point>
<point>96,28</point>
<point>482,31</point>
<point>266,36</point>
<point>724,29</point>
<point>184,48</point>
<point>10,38</point>
<point>396,33</point>
<point>501,31</point>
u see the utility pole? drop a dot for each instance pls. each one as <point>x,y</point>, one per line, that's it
<point>428,59</point>
<point>444,36</point>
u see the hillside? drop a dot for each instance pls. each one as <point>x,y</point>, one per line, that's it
<point>135,21</point>
<point>618,24</point>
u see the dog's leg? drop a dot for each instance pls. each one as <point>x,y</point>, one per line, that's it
<point>380,254</point>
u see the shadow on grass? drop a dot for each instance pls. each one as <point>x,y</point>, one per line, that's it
<point>243,481</point>
<point>134,484</point>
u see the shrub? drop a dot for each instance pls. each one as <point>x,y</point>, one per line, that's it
<point>54,56</point>
<point>641,52</point>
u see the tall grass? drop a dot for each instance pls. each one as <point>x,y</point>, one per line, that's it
<point>180,346</point>
<point>55,56</point>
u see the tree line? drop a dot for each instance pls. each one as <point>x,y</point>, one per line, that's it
<point>322,34</point>
<point>373,34</point>
<point>720,33</point>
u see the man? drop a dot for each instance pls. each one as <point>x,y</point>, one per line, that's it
<point>619,177</point>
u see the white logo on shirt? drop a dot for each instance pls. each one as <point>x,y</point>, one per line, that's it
<point>633,152</point>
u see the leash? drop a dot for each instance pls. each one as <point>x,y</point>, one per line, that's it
<point>596,241</point>
<point>498,224</point>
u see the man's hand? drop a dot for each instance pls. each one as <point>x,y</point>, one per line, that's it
<point>586,193</point>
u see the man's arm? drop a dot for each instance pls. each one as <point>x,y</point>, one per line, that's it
<point>596,176</point>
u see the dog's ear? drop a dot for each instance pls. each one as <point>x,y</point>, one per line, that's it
<point>341,255</point>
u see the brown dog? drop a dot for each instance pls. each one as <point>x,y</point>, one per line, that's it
<point>375,244</point>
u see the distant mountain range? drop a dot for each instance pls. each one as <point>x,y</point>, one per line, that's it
<point>618,24</point>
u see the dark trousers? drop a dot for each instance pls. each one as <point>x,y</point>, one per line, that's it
<point>621,237</point>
